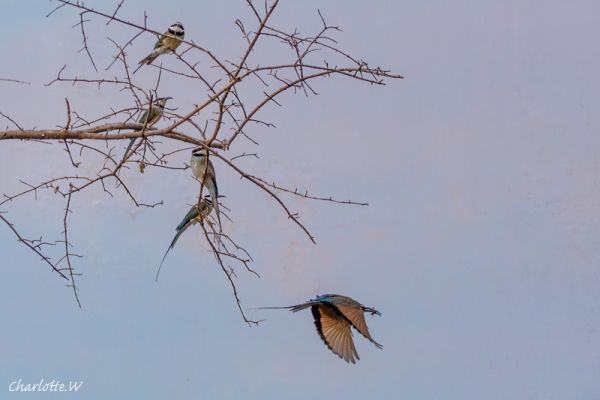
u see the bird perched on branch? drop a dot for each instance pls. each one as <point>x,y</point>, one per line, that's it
<point>198,213</point>
<point>168,42</point>
<point>150,116</point>
<point>205,172</point>
<point>334,314</point>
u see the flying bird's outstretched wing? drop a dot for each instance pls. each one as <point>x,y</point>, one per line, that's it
<point>356,317</point>
<point>335,332</point>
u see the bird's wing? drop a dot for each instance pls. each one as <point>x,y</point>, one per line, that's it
<point>214,194</point>
<point>160,40</point>
<point>356,317</point>
<point>211,172</point>
<point>214,191</point>
<point>150,118</point>
<point>193,213</point>
<point>211,185</point>
<point>335,332</point>
<point>143,117</point>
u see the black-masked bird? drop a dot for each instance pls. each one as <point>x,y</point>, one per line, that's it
<point>203,170</point>
<point>168,42</point>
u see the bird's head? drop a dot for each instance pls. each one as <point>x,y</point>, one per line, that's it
<point>177,29</point>
<point>199,152</point>
<point>161,101</point>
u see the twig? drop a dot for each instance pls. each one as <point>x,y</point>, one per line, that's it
<point>33,248</point>
<point>67,252</point>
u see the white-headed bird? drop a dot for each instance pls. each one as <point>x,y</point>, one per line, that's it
<point>168,42</point>
<point>334,314</point>
<point>150,117</point>
<point>205,172</point>
<point>198,213</point>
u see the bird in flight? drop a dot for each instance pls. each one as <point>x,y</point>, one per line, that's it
<point>334,314</point>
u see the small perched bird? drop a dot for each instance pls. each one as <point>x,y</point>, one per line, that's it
<point>334,314</point>
<point>197,213</point>
<point>168,42</point>
<point>150,117</point>
<point>205,172</point>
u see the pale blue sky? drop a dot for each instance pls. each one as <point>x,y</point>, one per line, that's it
<point>480,246</point>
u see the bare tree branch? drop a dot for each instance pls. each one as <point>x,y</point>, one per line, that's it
<point>33,248</point>
<point>67,251</point>
<point>231,97</point>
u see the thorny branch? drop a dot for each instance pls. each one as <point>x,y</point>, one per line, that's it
<point>34,247</point>
<point>68,253</point>
<point>231,97</point>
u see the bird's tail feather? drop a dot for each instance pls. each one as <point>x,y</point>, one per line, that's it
<point>162,261</point>
<point>180,229</point>
<point>138,67</point>
<point>129,146</point>
<point>214,194</point>
<point>149,58</point>
<point>295,308</point>
<point>300,307</point>
<point>273,308</point>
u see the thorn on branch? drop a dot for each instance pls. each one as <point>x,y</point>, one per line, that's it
<point>35,249</point>
<point>85,44</point>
